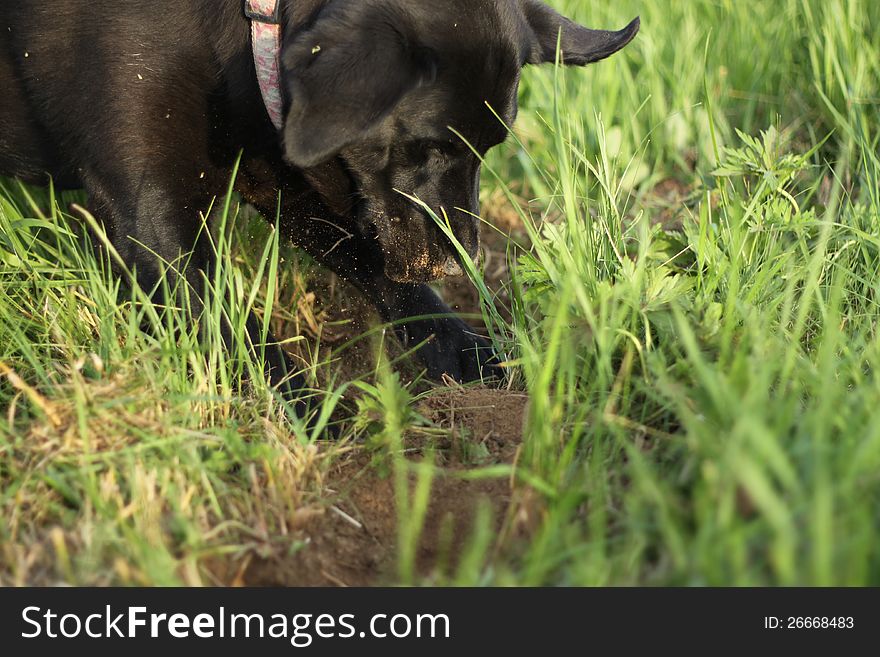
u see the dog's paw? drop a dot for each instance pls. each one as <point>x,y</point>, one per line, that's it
<point>451,348</point>
<point>456,351</point>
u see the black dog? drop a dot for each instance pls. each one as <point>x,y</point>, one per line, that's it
<point>147,105</point>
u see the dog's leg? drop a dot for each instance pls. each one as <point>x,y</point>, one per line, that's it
<point>154,223</point>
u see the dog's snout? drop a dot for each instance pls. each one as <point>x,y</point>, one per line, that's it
<point>466,229</point>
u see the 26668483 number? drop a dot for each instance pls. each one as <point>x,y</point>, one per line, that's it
<point>809,622</point>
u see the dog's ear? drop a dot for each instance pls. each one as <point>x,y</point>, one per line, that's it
<point>344,75</point>
<point>579,45</point>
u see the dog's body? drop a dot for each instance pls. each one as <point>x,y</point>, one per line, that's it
<point>147,106</point>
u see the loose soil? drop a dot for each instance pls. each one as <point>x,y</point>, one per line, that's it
<point>350,538</point>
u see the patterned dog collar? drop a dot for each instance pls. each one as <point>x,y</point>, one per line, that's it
<point>265,18</point>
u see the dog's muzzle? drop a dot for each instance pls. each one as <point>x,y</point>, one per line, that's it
<point>416,251</point>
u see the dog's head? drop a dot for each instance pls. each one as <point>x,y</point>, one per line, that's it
<point>404,94</point>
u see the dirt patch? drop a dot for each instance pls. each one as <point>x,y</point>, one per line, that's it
<point>485,426</point>
<point>350,539</point>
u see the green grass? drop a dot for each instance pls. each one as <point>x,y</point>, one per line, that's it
<point>692,300</point>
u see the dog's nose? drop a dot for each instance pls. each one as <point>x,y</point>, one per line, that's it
<point>452,268</point>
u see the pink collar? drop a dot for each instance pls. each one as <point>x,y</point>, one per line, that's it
<point>265,17</point>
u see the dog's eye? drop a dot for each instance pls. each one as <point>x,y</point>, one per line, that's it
<point>425,150</point>
<point>437,148</point>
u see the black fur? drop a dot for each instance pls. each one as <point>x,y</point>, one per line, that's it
<point>147,105</point>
